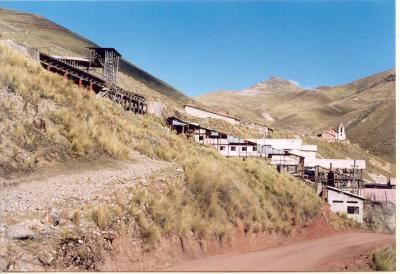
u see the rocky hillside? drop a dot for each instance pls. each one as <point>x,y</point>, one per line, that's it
<point>65,198</point>
<point>38,32</point>
<point>366,106</point>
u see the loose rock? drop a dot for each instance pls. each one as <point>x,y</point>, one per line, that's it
<point>53,217</point>
<point>46,258</point>
<point>20,231</point>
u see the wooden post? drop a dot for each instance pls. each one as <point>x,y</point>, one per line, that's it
<point>65,76</point>
<point>80,82</point>
<point>354,174</point>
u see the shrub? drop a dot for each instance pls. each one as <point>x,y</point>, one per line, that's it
<point>385,259</point>
<point>341,221</point>
<point>101,217</point>
<point>151,234</point>
<point>76,217</point>
<point>19,134</point>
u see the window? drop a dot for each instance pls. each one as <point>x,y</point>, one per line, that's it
<point>353,210</point>
<point>352,202</point>
<point>244,148</point>
<point>336,201</point>
<point>201,138</point>
<point>221,148</point>
<point>233,148</point>
<point>254,148</point>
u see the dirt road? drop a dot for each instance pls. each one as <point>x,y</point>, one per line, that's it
<point>72,183</point>
<point>311,255</point>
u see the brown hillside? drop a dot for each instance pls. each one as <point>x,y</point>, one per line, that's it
<point>366,106</point>
<point>38,32</point>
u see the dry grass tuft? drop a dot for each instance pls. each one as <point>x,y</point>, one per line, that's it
<point>101,217</point>
<point>76,217</point>
<point>340,221</point>
<point>385,259</point>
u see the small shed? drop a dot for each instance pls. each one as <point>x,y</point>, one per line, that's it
<point>346,202</point>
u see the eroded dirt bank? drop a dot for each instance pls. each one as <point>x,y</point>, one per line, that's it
<point>327,253</point>
<point>183,253</point>
<point>38,230</point>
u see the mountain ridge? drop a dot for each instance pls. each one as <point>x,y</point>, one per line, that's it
<point>282,104</point>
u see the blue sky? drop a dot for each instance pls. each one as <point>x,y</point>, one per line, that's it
<point>200,47</point>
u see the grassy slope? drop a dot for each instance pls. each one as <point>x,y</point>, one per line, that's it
<point>38,32</point>
<point>366,105</point>
<point>216,191</point>
<point>385,259</point>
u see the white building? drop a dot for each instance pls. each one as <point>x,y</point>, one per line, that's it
<point>341,133</point>
<point>236,147</point>
<point>345,202</point>
<point>307,151</point>
<point>294,146</point>
<point>225,144</point>
<point>202,113</point>
<point>156,108</point>
<point>336,163</point>
<point>282,144</point>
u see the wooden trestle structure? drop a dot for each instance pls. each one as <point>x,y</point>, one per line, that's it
<point>103,86</point>
<point>351,182</point>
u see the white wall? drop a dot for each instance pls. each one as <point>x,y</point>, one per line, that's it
<point>280,143</point>
<point>341,134</point>
<point>238,152</point>
<point>336,163</point>
<point>155,108</point>
<point>306,154</point>
<point>288,160</point>
<point>339,202</point>
<point>205,114</point>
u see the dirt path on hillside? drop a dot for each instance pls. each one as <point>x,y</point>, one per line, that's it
<point>329,253</point>
<point>72,183</point>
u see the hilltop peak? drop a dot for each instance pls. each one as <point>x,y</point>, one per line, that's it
<point>275,83</point>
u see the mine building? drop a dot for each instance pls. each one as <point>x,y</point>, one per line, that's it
<point>341,201</point>
<point>225,144</point>
<point>203,113</point>
<point>381,192</point>
<point>271,147</point>
<point>97,73</point>
<point>289,162</point>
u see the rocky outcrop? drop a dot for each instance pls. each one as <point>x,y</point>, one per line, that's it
<point>380,216</point>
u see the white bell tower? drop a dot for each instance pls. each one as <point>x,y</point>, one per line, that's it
<point>341,133</point>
